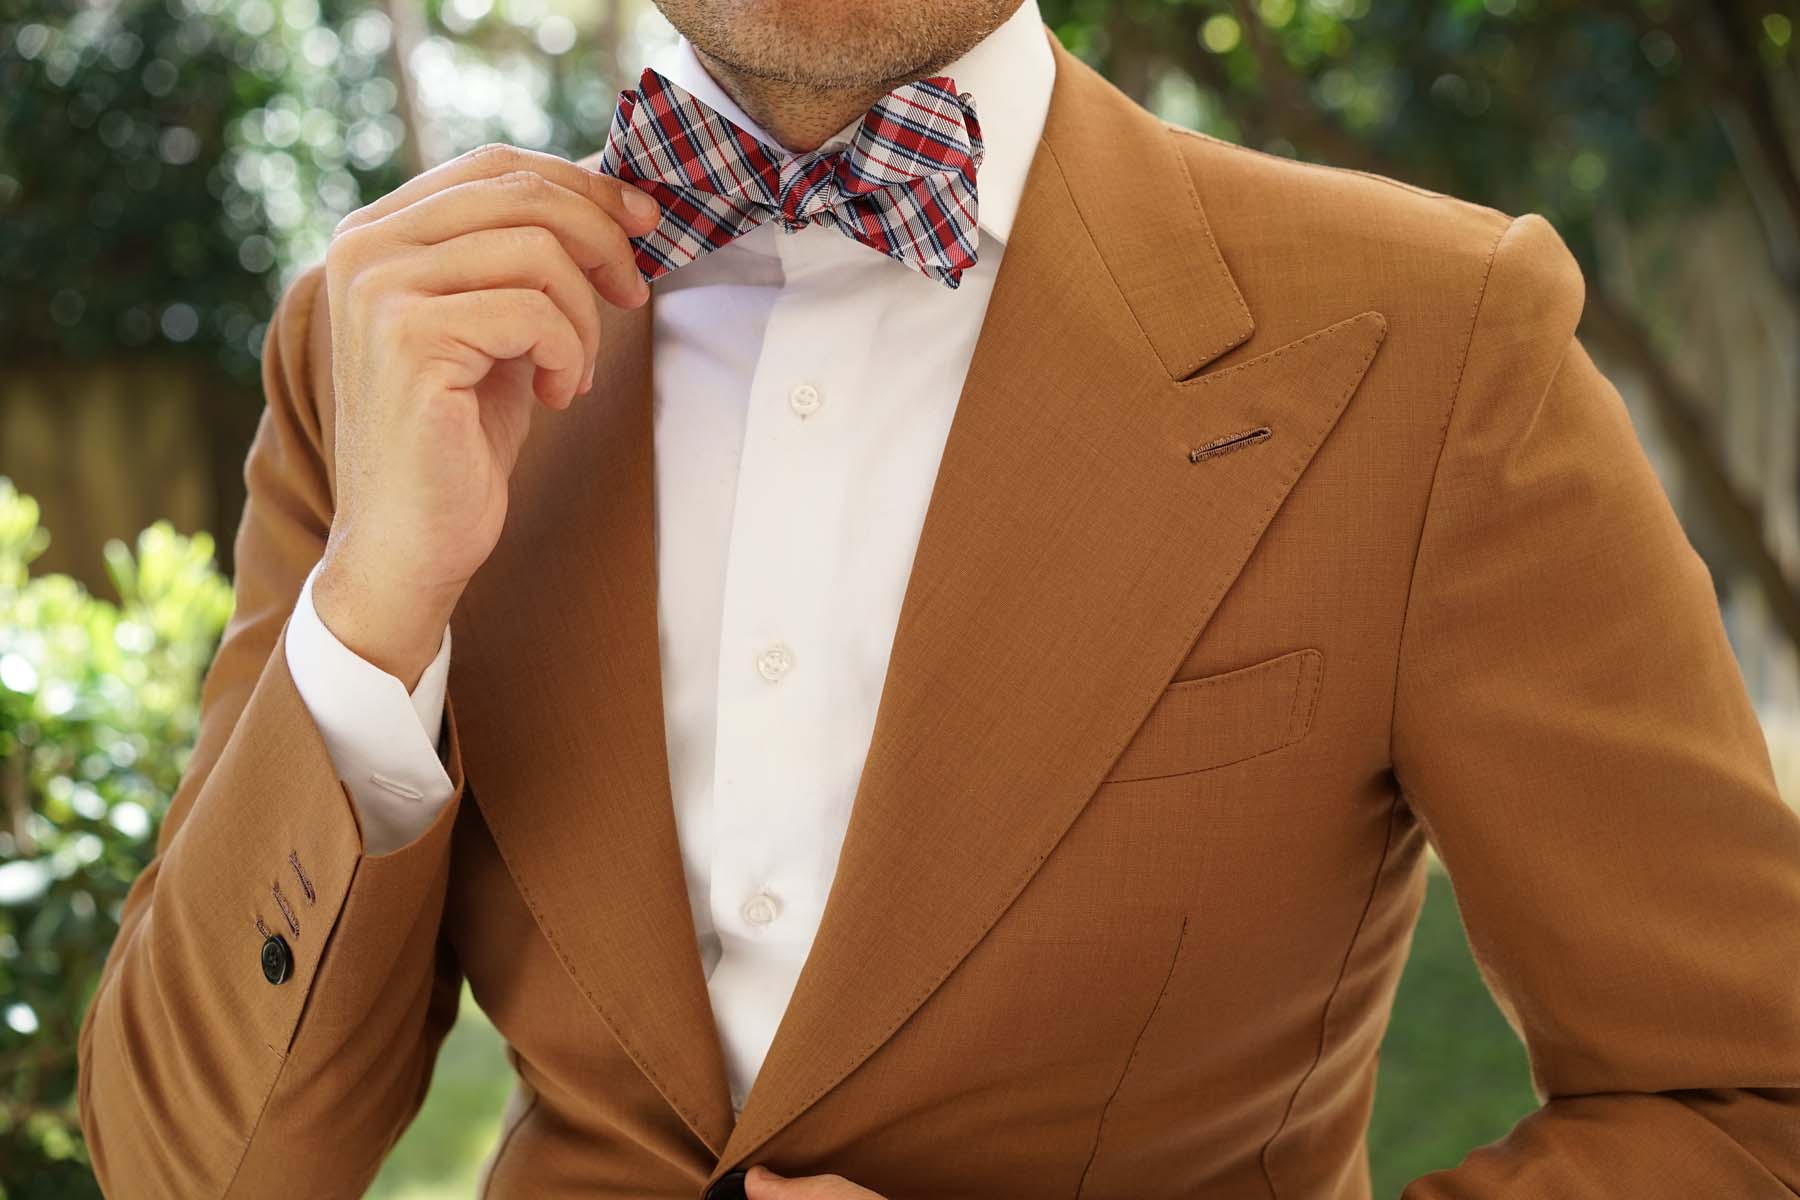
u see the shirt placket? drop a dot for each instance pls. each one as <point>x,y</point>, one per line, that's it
<point>778,804</point>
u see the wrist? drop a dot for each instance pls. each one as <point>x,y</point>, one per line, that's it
<point>395,627</point>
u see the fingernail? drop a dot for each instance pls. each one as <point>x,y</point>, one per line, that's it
<point>640,204</point>
<point>587,380</point>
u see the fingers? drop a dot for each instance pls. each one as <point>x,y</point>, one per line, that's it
<point>509,250</point>
<point>526,256</point>
<point>592,215</point>
<point>457,338</point>
<point>594,242</point>
<point>629,206</point>
<point>760,1183</point>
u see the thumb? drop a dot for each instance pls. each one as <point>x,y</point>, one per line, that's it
<point>760,1183</point>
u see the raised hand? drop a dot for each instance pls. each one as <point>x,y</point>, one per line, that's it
<point>458,303</point>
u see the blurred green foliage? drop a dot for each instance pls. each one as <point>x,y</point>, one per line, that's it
<point>98,709</point>
<point>166,164</point>
<point>160,158</point>
<point>1567,109</point>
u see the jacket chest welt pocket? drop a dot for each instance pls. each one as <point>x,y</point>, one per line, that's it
<point>1215,720</point>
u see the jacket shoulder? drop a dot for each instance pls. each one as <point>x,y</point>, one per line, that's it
<point>1309,244</point>
<point>1235,181</point>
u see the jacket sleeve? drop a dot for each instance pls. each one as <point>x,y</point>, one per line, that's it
<point>1573,732</point>
<point>198,1076</point>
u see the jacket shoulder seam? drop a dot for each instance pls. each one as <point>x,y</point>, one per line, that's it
<point>1462,366</point>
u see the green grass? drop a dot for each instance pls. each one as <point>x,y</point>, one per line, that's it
<point>1453,1077</point>
<point>439,1155</point>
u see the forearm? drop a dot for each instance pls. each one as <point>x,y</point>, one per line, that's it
<point>1573,731</point>
<point>197,1071</point>
<point>1736,1142</point>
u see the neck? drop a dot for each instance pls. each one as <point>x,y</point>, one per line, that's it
<point>799,116</point>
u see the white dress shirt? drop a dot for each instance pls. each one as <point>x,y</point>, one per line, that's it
<point>804,386</point>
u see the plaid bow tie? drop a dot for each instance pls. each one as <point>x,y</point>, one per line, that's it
<point>905,185</point>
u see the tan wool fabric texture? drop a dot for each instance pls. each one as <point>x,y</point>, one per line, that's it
<point>1139,844</point>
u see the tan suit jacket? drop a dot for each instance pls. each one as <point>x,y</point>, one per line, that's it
<point>1284,528</point>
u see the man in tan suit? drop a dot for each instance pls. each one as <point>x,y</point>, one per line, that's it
<point>1274,525</point>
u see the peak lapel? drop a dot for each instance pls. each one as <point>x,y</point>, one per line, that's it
<point>1072,552</point>
<point>558,685</point>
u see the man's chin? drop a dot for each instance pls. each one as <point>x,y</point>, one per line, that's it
<point>826,45</point>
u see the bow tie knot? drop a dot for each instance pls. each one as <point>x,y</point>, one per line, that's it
<point>903,185</point>
<point>801,194</point>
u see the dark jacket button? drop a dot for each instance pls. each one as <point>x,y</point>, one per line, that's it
<point>277,959</point>
<point>729,1186</point>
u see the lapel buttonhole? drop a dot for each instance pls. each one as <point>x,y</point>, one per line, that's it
<point>1228,443</point>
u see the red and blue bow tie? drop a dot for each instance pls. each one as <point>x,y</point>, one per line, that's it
<point>905,184</point>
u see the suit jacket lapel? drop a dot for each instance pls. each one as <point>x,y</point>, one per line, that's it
<point>1072,552</point>
<point>558,689</point>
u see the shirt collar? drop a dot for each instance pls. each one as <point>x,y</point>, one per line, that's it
<point>1009,73</point>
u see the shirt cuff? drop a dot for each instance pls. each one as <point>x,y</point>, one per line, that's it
<point>382,740</point>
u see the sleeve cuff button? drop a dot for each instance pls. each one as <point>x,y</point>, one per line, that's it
<point>277,959</point>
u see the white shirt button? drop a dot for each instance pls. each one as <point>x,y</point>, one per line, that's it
<point>805,400</point>
<point>761,908</point>
<point>774,662</point>
<point>737,1101</point>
